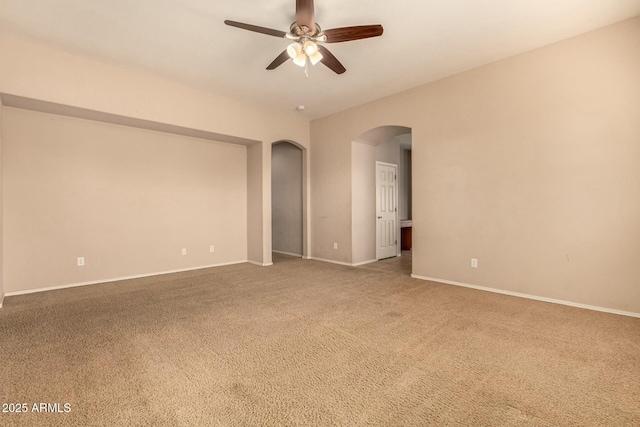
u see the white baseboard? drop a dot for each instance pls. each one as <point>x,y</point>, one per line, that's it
<point>286,253</point>
<point>330,261</point>
<point>528,296</point>
<point>116,279</point>
<point>343,263</point>
<point>261,264</point>
<point>1,299</point>
<point>364,262</point>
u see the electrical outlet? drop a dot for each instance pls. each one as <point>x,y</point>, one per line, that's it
<point>474,262</point>
<point>212,249</point>
<point>184,251</point>
<point>80,261</point>
<point>335,245</point>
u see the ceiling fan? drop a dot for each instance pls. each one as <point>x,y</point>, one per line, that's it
<point>305,34</point>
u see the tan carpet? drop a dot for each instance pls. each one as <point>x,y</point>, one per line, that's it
<point>309,343</point>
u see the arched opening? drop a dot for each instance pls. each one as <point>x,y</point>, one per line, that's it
<point>288,200</point>
<point>382,212</point>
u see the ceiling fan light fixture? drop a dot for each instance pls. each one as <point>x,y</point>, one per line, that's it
<point>310,48</point>
<point>294,49</point>
<point>315,58</point>
<point>305,34</point>
<point>300,60</point>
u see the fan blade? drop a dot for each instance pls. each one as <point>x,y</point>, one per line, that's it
<point>304,14</point>
<point>281,59</point>
<point>345,34</point>
<point>331,61</point>
<point>255,28</point>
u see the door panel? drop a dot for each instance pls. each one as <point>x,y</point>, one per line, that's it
<point>386,210</point>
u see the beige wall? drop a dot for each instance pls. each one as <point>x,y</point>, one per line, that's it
<point>528,164</point>
<point>254,202</point>
<point>34,71</point>
<point>363,202</point>
<point>1,211</point>
<point>286,197</point>
<point>330,195</point>
<point>389,152</point>
<point>126,199</point>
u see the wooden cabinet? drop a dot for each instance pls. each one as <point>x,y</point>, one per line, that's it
<point>405,238</point>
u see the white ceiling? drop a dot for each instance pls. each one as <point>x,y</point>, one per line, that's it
<point>186,41</point>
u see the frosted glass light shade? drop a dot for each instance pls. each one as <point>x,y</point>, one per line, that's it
<point>300,60</point>
<point>315,58</point>
<point>294,50</point>
<point>310,48</point>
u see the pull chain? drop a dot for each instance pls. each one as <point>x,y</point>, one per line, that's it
<point>306,66</point>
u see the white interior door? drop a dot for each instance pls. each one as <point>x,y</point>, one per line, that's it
<point>386,210</point>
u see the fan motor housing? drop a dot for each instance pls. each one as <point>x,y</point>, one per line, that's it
<point>304,31</point>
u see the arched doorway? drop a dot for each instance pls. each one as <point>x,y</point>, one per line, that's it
<point>288,200</point>
<point>390,146</point>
